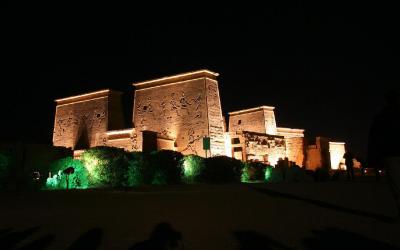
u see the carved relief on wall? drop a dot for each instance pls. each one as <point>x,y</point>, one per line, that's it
<point>134,142</point>
<point>191,143</point>
<point>178,109</point>
<point>215,120</point>
<point>72,121</point>
<point>259,145</point>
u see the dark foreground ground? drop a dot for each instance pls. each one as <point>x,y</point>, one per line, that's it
<point>332,215</point>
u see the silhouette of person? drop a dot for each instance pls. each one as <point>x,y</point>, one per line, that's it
<point>348,157</point>
<point>163,237</point>
<point>383,143</point>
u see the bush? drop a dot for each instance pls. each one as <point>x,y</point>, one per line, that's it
<point>165,167</point>
<point>273,175</point>
<point>321,174</point>
<point>192,167</point>
<point>253,171</point>
<point>221,169</point>
<point>57,180</point>
<point>107,166</point>
<point>138,171</point>
<point>295,174</point>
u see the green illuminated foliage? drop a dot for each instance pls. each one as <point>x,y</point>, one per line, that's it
<point>274,175</point>
<point>106,166</point>
<point>77,180</point>
<point>268,173</point>
<point>253,171</point>
<point>138,171</point>
<point>165,166</point>
<point>192,167</point>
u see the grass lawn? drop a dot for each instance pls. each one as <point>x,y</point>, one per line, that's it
<point>330,215</point>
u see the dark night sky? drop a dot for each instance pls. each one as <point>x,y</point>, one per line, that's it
<point>325,68</point>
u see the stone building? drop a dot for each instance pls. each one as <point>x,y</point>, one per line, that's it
<point>81,120</point>
<point>254,136</point>
<point>176,113</point>
<point>325,153</point>
<point>184,108</point>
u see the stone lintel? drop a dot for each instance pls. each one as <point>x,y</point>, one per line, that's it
<point>251,110</point>
<point>204,73</point>
<point>259,134</point>
<point>336,143</point>
<point>86,96</point>
<point>292,132</point>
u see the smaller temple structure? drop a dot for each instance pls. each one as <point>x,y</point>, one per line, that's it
<point>254,136</point>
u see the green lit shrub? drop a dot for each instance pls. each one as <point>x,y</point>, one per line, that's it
<point>106,166</point>
<point>165,166</point>
<point>273,175</point>
<point>221,169</point>
<point>57,179</point>
<point>192,167</point>
<point>253,171</point>
<point>138,171</point>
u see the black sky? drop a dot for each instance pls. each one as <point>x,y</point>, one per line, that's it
<point>324,67</point>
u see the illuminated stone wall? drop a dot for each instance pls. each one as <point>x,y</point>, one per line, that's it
<point>185,108</point>
<point>313,157</point>
<point>79,120</point>
<point>215,119</point>
<point>336,150</point>
<point>324,154</point>
<point>262,146</point>
<point>260,120</point>
<point>294,140</point>
<point>251,146</point>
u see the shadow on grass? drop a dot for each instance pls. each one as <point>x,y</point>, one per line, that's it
<point>249,240</point>
<point>332,238</point>
<point>41,243</point>
<point>9,238</point>
<point>162,237</point>
<point>90,240</point>
<point>324,204</point>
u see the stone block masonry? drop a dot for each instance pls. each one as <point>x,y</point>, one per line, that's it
<point>183,107</point>
<point>80,120</point>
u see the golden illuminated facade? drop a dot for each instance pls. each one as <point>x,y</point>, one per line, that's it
<point>176,113</point>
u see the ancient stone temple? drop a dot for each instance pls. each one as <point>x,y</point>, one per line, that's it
<point>184,108</point>
<point>176,113</point>
<point>173,113</point>
<point>254,136</point>
<point>81,120</point>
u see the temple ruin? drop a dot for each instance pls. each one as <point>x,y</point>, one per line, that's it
<point>176,113</point>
